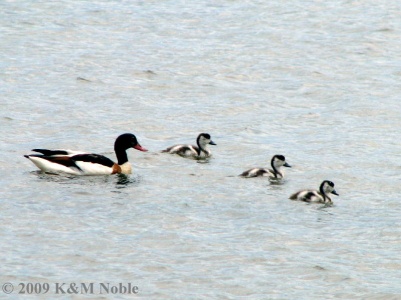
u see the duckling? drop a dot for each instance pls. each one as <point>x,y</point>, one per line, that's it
<point>202,141</point>
<point>277,162</point>
<point>315,196</point>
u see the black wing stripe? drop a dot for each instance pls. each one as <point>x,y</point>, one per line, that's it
<point>94,158</point>
<point>51,152</point>
<point>61,160</point>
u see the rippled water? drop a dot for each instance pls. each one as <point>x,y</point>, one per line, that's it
<point>316,81</point>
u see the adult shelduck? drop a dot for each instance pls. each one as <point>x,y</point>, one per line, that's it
<point>82,163</point>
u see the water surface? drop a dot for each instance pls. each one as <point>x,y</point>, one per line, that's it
<point>317,82</point>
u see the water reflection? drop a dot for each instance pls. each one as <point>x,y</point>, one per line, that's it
<point>124,180</point>
<point>325,206</point>
<point>202,160</point>
<point>53,177</point>
<point>121,180</point>
<point>276,182</point>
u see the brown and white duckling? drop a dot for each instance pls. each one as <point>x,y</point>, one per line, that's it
<point>320,196</point>
<point>277,162</point>
<point>83,163</point>
<point>201,150</point>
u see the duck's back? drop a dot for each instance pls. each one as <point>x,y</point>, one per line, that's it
<point>307,196</point>
<point>183,150</point>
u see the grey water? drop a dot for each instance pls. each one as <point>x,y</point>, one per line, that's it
<point>316,81</point>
